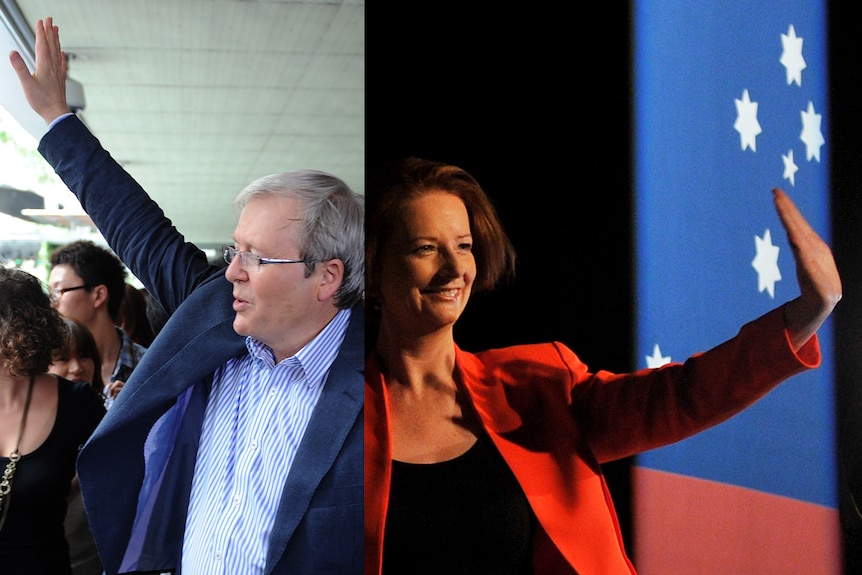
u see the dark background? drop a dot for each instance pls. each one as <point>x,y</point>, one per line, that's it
<point>846,170</point>
<point>536,104</point>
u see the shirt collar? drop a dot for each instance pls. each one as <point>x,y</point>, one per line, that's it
<point>315,357</point>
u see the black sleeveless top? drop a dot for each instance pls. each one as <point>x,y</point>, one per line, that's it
<point>32,541</point>
<point>466,516</point>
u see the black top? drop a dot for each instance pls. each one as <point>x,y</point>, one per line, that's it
<point>32,541</point>
<point>464,516</point>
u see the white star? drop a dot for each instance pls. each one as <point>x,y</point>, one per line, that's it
<point>811,134</point>
<point>746,122</point>
<point>791,57</point>
<point>790,168</point>
<point>766,263</point>
<point>657,359</point>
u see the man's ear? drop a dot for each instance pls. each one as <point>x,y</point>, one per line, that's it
<point>330,279</point>
<point>99,295</point>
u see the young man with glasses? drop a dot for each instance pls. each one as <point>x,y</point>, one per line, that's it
<point>237,444</point>
<point>87,282</point>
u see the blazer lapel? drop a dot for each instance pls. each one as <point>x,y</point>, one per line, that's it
<point>336,413</point>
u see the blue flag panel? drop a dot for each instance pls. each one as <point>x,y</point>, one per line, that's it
<point>731,101</point>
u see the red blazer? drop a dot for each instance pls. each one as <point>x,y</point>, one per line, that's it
<point>555,422</point>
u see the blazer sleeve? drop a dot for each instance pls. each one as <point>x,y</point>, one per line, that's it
<point>627,414</point>
<point>134,226</point>
<point>619,415</point>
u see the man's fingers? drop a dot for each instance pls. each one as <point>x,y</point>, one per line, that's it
<point>18,64</point>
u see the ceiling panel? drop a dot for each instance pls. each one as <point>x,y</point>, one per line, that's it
<point>196,98</point>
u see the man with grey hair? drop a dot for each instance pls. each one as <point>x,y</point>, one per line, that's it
<point>237,443</point>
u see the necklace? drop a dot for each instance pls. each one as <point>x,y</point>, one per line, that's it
<point>9,472</point>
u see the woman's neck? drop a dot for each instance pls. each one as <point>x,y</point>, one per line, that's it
<point>13,388</point>
<point>416,361</point>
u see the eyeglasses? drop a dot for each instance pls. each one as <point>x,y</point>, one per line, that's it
<point>252,262</point>
<point>56,293</point>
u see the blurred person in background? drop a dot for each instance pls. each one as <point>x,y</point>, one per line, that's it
<point>78,361</point>
<point>133,318</point>
<point>88,282</point>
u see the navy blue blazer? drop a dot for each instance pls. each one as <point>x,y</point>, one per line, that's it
<point>136,469</point>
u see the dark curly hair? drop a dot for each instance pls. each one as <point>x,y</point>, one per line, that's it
<point>30,329</point>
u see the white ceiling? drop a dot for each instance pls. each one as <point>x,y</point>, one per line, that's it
<point>197,98</point>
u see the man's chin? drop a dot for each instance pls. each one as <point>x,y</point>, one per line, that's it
<point>240,327</point>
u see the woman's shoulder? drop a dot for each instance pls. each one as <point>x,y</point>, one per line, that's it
<point>79,392</point>
<point>528,350</point>
<point>551,363</point>
<point>530,357</point>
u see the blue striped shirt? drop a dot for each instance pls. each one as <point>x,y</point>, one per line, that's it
<point>254,422</point>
